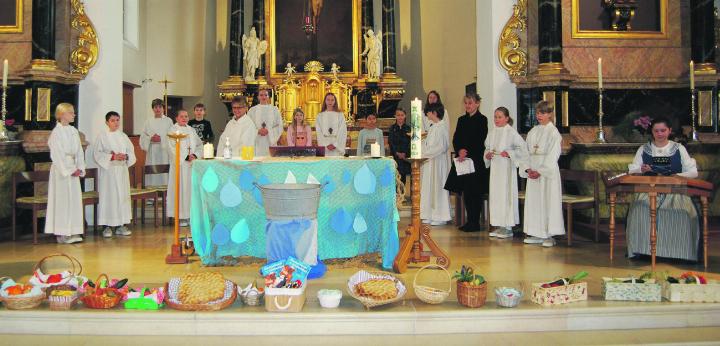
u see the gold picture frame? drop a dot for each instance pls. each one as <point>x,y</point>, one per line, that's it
<point>18,26</point>
<point>630,35</point>
<point>270,29</point>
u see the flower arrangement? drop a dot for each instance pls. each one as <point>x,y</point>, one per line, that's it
<point>634,127</point>
<point>642,124</point>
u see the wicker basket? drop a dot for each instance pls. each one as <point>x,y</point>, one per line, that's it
<point>171,298</point>
<point>21,303</point>
<point>362,276</point>
<point>428,294</point>
<point>95,301</point>
<point>75,268</point>
<point>472,296</point>
<point>62,302</point>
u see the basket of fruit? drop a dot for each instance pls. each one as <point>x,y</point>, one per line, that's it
<point>560,291</point>
<point>471,288</point>
<point>432,295</point>
<point>41,277</point>
<point>102,295</point>
<point>691,287</point>
<point>62,297</point>
<point>18,296</point>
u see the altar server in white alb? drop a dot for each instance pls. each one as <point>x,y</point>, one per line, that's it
<point>114,153</point>
<point>435,200</point>
<point>240,131</point>
<point>331,128</point>
<point>268,122</point>
<point>154,142</point>
<point>64,215</point>
<point>543,193</point>
<point>504,150</point>
<point>190,149</point>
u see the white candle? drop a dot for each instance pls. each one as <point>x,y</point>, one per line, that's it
<point>375,150</point>
<point>692,75</point>
<point>416,140</point>
<point>5,73</point>
<point>208,151</point>
<point>600,73</point>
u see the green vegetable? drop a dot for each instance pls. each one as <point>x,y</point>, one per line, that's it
<point>120,283</point>
<point>579,276</point>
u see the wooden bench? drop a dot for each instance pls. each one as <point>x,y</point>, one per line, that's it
<point>160,190</point>
<point>141,194</point>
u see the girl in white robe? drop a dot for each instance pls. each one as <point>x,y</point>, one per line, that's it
<point>268,122</point>
<point>190,149</point>
<point>154,142</point>
<point>504,150</point>
<point>434,199</point>
<point>240,131</point>
<point>114,154</point>
<point>331,127</point>
<point>64,215</point>
<point>543,217</point>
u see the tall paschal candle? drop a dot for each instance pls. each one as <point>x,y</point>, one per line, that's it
<point>416,140</point>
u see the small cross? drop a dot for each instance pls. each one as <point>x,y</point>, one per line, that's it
<point>536,148</point>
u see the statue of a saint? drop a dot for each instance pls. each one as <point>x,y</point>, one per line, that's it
<point>335,69</point>
<point>289,70</point>
<point>253,48</point>
<point>373,50</point>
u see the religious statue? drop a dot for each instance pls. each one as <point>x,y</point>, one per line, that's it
<point>289,70</point>
<point>335,69</point>
<point>373,50</point>
<point>253,48</point>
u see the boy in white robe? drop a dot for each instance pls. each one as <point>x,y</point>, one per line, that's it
<point>543,193</point>
<point>268,122</point>
<point>114,153</point>
<point>240,130</point>
<point>154,142</point>
<point>190,149</point>
<point>504,150</point>
<point>331,128</point>
<point>370,135</point>
<point>64,215</point>
<point>434,199</point>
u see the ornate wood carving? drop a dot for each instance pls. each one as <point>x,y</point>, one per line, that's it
<point>512,58</point>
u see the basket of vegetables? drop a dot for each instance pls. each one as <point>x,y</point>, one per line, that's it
<point>691,287</point>
<point>560,291</point>
<point>101,294</point>
<point>18,296</point>
<point>471,287</point>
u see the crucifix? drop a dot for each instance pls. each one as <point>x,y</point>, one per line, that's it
<point>165,83</point>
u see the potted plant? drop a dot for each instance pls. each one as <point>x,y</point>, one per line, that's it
<point>471,287</point>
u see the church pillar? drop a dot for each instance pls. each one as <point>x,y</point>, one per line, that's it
<point>550,36</point>
<point>259,24</point>
<point>236,30</point>
<point>43,34</point>
<point>702,26</point>
<point>388,31</point>
<point>366,22</point>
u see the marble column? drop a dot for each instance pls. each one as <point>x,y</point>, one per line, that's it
<point>236,30</point>
<point>259,24</point>
<point>366,22</point>
<point>388,31</point>
<point>550,34</point>
<point>43,29</point>
<point>702,26</point>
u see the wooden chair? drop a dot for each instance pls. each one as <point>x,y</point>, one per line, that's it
<point>39,202</point>
<point>160,190</point>
<point>572,200</point>
<point>142,194</point>
<point>90,197</point>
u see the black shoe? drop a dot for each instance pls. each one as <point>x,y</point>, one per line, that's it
<point>470,227</point>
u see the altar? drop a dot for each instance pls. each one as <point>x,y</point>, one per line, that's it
<point>357,213</point>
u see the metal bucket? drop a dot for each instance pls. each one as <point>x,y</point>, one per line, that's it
<point>290,201</point>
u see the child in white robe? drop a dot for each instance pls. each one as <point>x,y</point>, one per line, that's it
<point>434,199</point>
<point>190,149</point>
<point>154,142</point>
<point>331,128</point>
<point>370,135</point>
<point>114,153</point>
<point>240,131</point>
<point>543,193</point>
<point>64,215</point>
<point>504,150</point>
<point>268,122</point>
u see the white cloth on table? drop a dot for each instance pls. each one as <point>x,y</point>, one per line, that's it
<point>64,215</point>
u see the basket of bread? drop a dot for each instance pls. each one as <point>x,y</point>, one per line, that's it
<point>204,291</point>
<point>18,296</point>
<point>375,288</point>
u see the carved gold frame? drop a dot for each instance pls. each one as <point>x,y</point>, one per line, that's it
<point>18,27</point>
<point>662,34</point>
<point>270,29</point>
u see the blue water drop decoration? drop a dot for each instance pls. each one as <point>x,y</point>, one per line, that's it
<point>387,177</point>
<point>230,195</point>
<point>341,221</point>
<point>392,246</point>
<point>359,225</point>
<point>365,181</point>
<point>256,192</point>
<point>240,232</point>
<point>220,235</point>
<point>347,176</point>
<point>328,184</point>
<point>246,180</point>
<point>381,210</point>
<point>210,180</point>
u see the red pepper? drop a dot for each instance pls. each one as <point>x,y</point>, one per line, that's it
<point>54,278</point>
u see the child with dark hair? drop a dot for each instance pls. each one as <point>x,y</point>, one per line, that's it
<point>370,135</point>
<point>399,142</point>
<point>154,141</point>
<point>201,125</point>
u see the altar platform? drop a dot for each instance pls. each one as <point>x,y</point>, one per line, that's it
<point>502,262</point>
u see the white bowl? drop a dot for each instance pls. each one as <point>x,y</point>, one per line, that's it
<point>329,298</point>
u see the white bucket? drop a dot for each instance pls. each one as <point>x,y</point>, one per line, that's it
<point>290,201</point>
